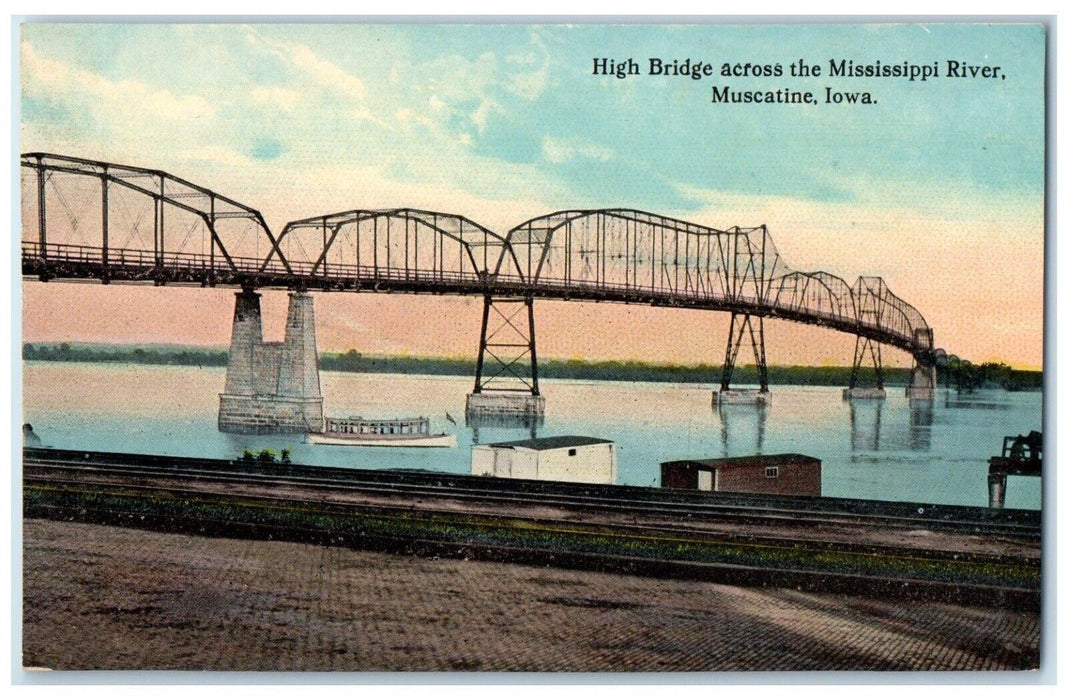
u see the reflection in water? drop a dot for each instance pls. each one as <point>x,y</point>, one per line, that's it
<point>979,401</point>
<point>173,410</point>
<point>742,420</point>
<point>869,432</point>
<point>508,421</point>
<point>865,423</point>
<point>920,419</point>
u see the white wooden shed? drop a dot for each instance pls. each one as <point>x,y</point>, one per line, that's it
<point>573,458</point>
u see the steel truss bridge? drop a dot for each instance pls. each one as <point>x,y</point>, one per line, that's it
<point>86,219</point>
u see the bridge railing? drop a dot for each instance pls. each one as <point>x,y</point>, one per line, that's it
<point>126,259</point>
<point>137,264</point>
<point>609,291</point>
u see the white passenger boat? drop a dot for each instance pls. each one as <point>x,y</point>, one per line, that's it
<point>357,431</point>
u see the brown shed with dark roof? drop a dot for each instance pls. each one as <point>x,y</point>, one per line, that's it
<point>784,474</point>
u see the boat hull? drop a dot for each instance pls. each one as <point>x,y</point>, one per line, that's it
<point>440,440</point>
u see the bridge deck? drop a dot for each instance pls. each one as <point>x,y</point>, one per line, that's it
<point>64,262</point>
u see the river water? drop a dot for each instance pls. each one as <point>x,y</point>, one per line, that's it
<point>886,450</point>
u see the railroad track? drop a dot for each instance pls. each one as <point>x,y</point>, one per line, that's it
<point>621,500</point>
<point>730,538</point>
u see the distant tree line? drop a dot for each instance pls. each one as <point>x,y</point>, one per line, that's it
<point>65,352</point>
<point>959,374</point>
<point>966,377</point>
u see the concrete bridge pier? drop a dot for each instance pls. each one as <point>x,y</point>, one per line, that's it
<point>922,386</point>
<point>272,387</point>
<point>924,379</point>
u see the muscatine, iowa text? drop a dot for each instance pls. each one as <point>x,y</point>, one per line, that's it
<point>786,96</point>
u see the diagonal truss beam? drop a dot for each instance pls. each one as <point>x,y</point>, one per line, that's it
<point>737,334</point>
<point>506,346</point>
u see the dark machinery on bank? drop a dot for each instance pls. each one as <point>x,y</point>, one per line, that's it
<point>1020,456</point>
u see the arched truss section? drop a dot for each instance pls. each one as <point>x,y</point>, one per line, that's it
<point>634,252</point>
<point>134,223</point>
<point>630,255</point>
<point>879,308</point>
<point>391,245</point>
<point>816,292</point>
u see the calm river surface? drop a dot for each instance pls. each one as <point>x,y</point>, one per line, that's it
<point>930,453</point>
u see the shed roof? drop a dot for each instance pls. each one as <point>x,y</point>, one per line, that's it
<point>553,443</point>
<point>747,461</point>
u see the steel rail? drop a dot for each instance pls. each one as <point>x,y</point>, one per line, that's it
<point>771,513</point>
<point>564,526</point>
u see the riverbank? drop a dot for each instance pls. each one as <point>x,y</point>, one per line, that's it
<point>139,562</point>
<point>612,370</point>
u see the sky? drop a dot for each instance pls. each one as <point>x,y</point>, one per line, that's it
<point>938,187</point>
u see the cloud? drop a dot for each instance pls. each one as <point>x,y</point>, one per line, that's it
<point>481,115</point>
<point>303,59</point>
<point>217,155</point>
<point>325,72</point>
<point>107,99</point>
<point>525,83</point>
<point>560,151</point>
<point>280,97</point>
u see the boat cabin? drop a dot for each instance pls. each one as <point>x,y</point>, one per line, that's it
<point>357,425</point>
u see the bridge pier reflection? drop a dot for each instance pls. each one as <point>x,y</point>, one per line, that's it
<point>865,425</point>
<point>921,417</point>
<point>868,423</point>
<point>480,421</point>
<point>742,420</point>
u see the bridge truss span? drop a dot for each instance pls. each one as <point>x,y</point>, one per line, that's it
<point>634,256</point>
<point>405,249</point>
<point>85,219</point>
<point>110,221</point>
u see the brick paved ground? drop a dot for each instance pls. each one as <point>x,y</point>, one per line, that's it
<point>98,597</point>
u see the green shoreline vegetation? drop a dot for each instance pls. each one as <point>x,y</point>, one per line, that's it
<point>965,376</point>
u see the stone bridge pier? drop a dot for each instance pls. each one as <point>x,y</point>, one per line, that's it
<point>922,385</point>
<point>924,378</point>
<point>272,387</point>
